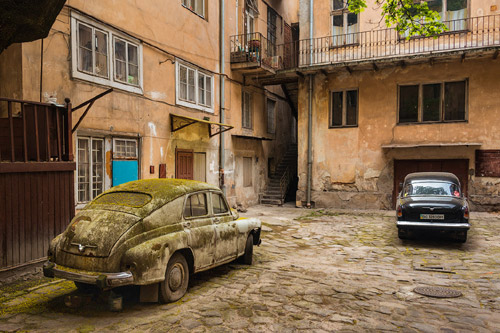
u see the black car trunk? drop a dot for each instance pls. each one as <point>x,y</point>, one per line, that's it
<point>435,209</point>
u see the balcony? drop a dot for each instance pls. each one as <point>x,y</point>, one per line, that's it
<point>254,54</point>
<point>471,34</point>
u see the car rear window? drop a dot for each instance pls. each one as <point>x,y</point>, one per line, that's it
<point>128,199</point>
<point>432,188</point>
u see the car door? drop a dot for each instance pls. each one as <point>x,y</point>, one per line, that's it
<point>226,243</point>
<point>199,226</point>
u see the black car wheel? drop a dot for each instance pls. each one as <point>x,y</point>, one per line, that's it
<point>176,279</point>
<point>247,257</point>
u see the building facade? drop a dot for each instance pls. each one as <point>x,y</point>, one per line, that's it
<point>379,105</point>
<point>177,109</point>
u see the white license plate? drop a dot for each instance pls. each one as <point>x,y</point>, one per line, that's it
<point>432,216</point>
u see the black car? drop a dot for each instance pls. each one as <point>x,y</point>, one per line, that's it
<point>432,201</point>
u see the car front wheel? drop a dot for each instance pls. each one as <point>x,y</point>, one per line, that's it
<point>247,257</point>
<point>176,279</point>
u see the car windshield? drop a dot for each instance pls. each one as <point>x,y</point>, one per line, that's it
<point>432,188</point>
<point>129,199</point>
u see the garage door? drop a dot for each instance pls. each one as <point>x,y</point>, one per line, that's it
<point>403,167</point>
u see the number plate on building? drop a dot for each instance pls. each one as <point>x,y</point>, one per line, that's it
<point>432,216</point>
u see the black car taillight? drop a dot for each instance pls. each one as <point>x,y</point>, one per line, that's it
<point>466,212</point>
<point>399,211</point>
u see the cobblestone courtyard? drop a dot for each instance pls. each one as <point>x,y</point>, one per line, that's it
<point>315,271</point>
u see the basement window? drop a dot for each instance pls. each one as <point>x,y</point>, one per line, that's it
<point>435,102</point>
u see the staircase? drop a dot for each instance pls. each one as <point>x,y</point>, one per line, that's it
<point>278,183</point>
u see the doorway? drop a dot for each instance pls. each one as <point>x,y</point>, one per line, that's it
<point>184,164</point>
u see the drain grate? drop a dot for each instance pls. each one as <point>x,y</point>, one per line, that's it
<point>438,292</point>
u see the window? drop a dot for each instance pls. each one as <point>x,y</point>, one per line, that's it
<point>344,108</point>
<point>196,6</point>
<point>433,102</point>
<point>196,205</point>
<point>345,25</point>
<point>219,204</point>
<point>125,149</point>
<point>454,11</point>
<point>251,11</point>
<point>105,56</point>
<point>194,88</point>
<point>247,171</point>
<point>271,30</point>
<point>246,110</point>
<point>271,116</point>
<point>90,168</point>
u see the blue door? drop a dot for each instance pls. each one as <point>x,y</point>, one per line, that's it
<point>124,171</point>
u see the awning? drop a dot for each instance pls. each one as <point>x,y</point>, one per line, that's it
<point>178,122</point>
<point>430,145</point>
<point>251,137</point>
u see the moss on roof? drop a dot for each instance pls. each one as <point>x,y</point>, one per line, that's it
<point>161,191</point>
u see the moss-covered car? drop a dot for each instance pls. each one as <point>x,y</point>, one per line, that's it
<point>153,233</point>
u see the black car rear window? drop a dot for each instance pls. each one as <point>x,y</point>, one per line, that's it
<point>431,188</point>
<point>128,199</point>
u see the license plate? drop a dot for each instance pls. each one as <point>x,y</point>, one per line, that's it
<point>432,216</point>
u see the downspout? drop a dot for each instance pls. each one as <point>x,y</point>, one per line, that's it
<point>309,122</point>
<point>309,142</point>
<point>222,97</point>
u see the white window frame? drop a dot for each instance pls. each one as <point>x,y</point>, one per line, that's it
<point>90,139</point>
<point>112,34</point>
<point>197,72</point>
<point>187,6</point>
<point>119,157</point>
<point>345,38</point>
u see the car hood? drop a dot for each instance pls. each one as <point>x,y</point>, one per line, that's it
<point>94,232</point>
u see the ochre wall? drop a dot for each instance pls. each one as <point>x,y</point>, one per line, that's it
<point>350,168</point>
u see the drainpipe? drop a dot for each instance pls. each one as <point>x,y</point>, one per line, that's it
<point>309,142</point>
<point>311,26</point>
<point>222,97</point>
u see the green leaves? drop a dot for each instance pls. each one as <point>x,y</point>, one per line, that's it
<point>409,17</point>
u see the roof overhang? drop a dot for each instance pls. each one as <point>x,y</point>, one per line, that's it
<point>430,145</point>
<point>251,137</point>
<point>178,122</point>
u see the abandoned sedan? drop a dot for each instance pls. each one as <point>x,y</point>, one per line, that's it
<point>432,201</point>
<point>152,233</point>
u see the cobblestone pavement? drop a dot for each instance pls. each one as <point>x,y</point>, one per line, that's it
<point>324,271</point>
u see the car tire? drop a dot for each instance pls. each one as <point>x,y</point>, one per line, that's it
<point>176,279</point>
<point>247,257</point>
<point>462,237</point>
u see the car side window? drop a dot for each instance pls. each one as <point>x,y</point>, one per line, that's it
<point>219,204</point>
<point>196,205</point>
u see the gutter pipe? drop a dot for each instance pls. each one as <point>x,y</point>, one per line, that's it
<point>309,122</point>
<point>222,96</point>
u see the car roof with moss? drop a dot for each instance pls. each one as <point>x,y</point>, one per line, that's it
<point>141,197</point>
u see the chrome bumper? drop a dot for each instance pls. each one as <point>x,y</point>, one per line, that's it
<point>433,225</point>
<point>102,280</point>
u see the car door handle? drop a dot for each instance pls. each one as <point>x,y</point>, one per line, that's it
<point>216,220</point>
<point>187,224</point>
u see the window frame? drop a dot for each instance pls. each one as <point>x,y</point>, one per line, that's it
<point>212,195</point>
<point>208,204</point>
<point>344,12</point>
<point>344,108</point>
<point>90,140</point>
<point>442,110</point>
<point>185,102</point>
<point>111,33</point>
<point>203,16</point>
<point>250,109</point>
<point>120,157</point>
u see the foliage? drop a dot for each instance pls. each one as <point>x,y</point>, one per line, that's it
<point>411,18</point>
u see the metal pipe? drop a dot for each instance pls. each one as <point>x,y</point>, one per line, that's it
<point>309,142</point>
<point>311,27</point>
<point>222,155</point>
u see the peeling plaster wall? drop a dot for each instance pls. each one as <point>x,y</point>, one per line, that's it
<point>351,170</point>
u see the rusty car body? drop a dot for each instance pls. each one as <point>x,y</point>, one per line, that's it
<point>151,232</point>
<point>432,201</point>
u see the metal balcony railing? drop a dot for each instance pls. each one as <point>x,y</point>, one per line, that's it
<point>254,48</point>
<point>462,34</point>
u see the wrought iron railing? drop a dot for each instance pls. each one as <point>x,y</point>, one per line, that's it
<point>255,48</point>
<point>469,33</point>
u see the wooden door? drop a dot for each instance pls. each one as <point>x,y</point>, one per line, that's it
<point>404,167</point>
<point>183,164</point>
